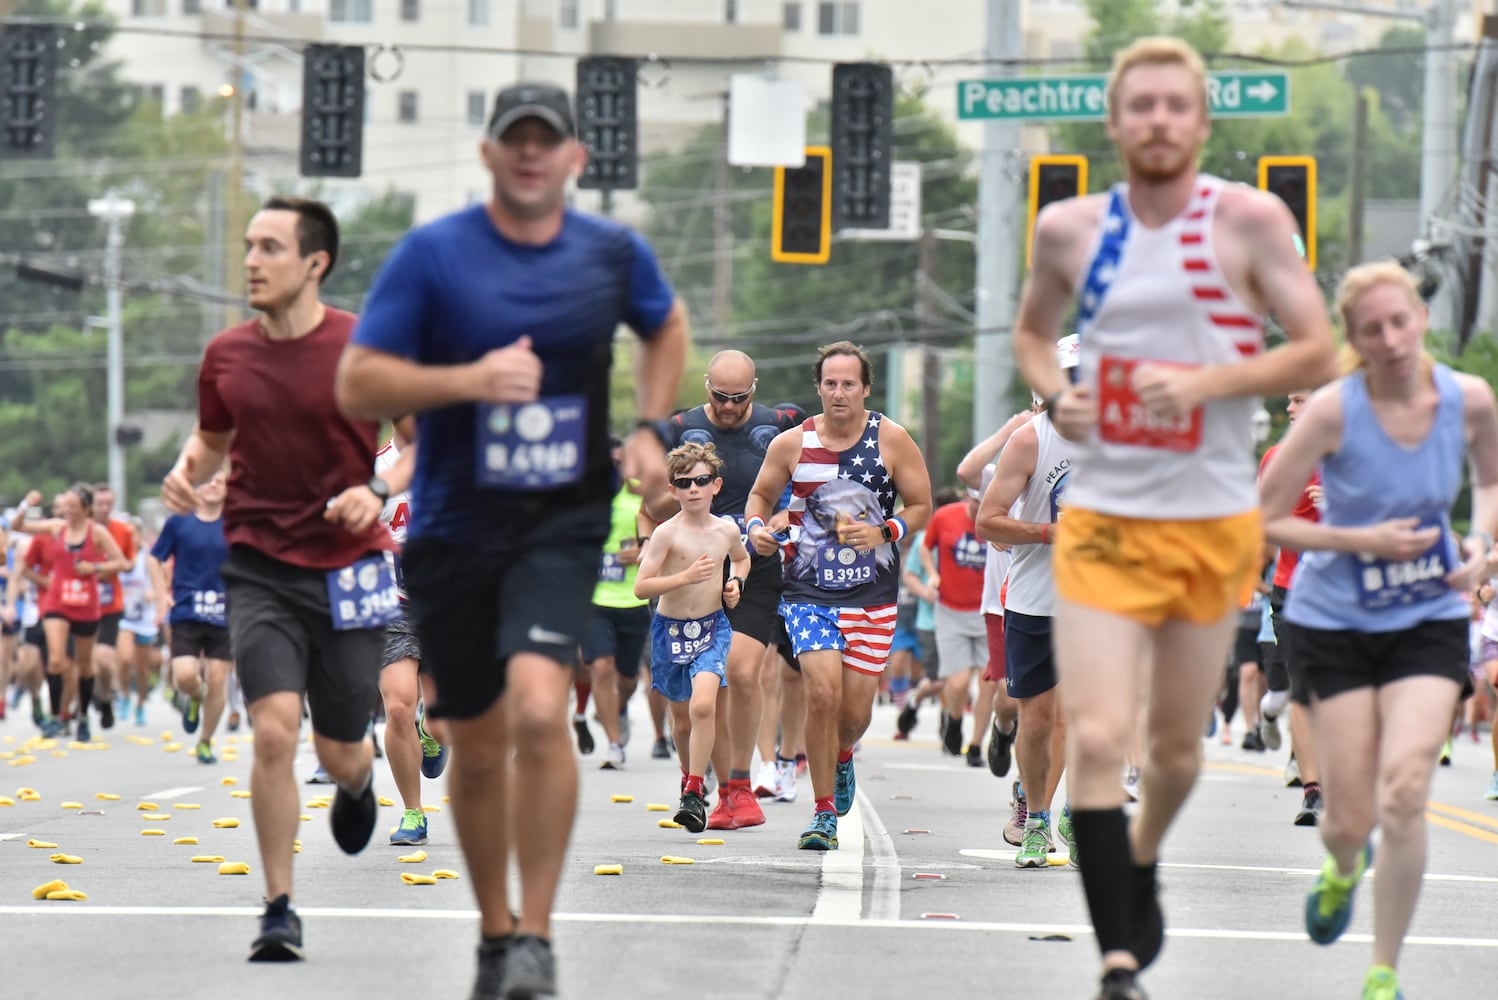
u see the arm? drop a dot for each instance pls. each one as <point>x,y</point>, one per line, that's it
<point>372,383</point>
<point>970,469</point>
<point>928,561</point>
<point>1016,466</point>
<point>774,472</point>
<point>1482,450</point>
<point>908,472</point>
<point>661,360</point>
<point>159,587</point>
<point>202,455</point>
<point>114,561</point>
<point>1064,234</point>
<point>648,581</point>
<point>738,566</point>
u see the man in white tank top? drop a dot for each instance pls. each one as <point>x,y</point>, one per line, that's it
<point>1172,271</point>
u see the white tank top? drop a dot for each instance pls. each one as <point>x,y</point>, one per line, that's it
<point>1490,617</point>
<point>1032,589</point>
<point>1158,295</point>
<point>995,565</point>
<point>397,510</point>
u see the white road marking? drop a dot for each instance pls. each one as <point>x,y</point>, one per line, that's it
<point>991,855</point>
<point>840,897</point>
<point>172,793</point>
<point>11,836</point>
<point>885,903</point>
<point>948,768</point>
<point>37,911</point>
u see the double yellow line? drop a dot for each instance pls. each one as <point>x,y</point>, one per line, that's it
<point>1434,811</point>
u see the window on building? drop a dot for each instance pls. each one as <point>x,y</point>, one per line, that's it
<point>730,12</point>
<point>410,10</point>
<point>611,10</point>
<point>567,15</point>
<point>190,7</point>
<point>837,18</point>
<point>191,98</point>
<point>148,8</point>
<point>790,16</point>
<point>248,4</point>
<point>477,105</point>
<point>293,6</point>
<point>351,11</point>
<point>478,13</point>
<point>407,112</point>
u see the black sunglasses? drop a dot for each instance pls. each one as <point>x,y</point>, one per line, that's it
<point>686,482</point>
<point>733,397</point>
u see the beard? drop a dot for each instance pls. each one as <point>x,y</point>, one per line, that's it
<point>1149,169</point>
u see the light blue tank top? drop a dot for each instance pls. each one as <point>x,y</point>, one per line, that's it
<point>1371,478</point>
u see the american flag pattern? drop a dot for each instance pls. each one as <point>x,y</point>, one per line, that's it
<point>863,634</point>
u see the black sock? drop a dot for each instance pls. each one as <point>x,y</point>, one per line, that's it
<point>54,694</point>
<point>736,775</point>
<point>1108,876</point>
<point>85,695</point>
<point>1148,922</point>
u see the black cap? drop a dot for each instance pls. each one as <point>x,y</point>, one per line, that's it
<point>532,100</point>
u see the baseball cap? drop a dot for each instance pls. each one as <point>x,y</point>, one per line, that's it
<point>532,100</point>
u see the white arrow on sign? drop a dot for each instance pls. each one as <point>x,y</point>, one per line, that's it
<point>1263,91</point>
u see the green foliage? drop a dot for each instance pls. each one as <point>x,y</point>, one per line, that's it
<point>1397,76</point>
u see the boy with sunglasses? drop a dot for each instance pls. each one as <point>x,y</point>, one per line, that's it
<point>690,635</point>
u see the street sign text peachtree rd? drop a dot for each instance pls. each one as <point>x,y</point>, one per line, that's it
<point>1232,93</point>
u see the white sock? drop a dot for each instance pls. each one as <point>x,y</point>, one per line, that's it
<point>1273,703</point>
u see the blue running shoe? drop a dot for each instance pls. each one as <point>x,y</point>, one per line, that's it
<point>140,715</point>
<point>433,754</point>
<point>192,712</point>
<point>845,789</point>
<point>413,829</point>
<point>821,835</point>
<point>1329,904</point>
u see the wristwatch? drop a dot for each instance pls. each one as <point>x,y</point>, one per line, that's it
<point>379,488</point>
<point>887,532</point>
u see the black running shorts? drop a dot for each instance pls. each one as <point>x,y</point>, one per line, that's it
<point>619,633</point>
<point>200,639</point>
<point>758,612</point>
<point>1332,662</point>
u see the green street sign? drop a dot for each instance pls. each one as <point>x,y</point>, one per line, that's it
<point>1232,94</point>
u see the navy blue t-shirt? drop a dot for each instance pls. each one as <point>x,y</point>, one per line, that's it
<point>199,549</point>
<point>455,289</point>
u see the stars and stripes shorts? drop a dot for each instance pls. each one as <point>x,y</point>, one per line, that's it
<point>863,634</point>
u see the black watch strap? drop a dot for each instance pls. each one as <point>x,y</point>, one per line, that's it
<point>887,532</point>
<point>379,488</point>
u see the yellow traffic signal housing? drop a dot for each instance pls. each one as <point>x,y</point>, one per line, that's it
<point>1053,177</point>
<point>801,217</point>
<point>1293,180</point>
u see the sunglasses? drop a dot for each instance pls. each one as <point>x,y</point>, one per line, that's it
<point>687,482</point>
<point>733,397</point>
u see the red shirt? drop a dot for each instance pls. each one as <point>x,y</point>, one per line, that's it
<point>959,557</point>
<point>73,595</point>
<point>1284,563</point>
<point>111,594</point>
<point>39,561</point>
<point>293,450</point>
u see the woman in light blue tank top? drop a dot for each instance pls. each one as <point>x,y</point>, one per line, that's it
<point>1378,603</point>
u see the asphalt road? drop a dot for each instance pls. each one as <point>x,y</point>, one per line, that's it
<point>754,918</point>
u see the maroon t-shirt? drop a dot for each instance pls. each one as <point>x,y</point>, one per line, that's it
<point>293,450</point>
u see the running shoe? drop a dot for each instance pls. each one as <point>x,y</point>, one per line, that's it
<point>106,712</point>
<point>1382,983</point>
<point>1446,753</point>
<point>1269,731</point>
<point>353,817</point>
<point>320,776</point>
<point>192,714</point>
<point>660,751</point>
<point>433,754</point>
<point>787,781</point>
<point>767,784</point>
<point>974,755</point>
<point>1329,903</point>
<point>530,969</point>
<point>280,937</point>
<point>692,812</point>
<point>491,969</point>
<point>205,753</point>
<point>1492,793</point>
<point>906,720</point>
<point>1014,830</point>
<point>584,735</point>
<point>1310,808</point>
<point>413,829</point>
<point>1131,784</point>
<point>140,714</point>
<point>624,727</point>
<point>846,788</point>
<point>1001,749</point>
<point>1292,772</point>
<point>234,722</point>
<point>1253,742</point>
<point>1032,853</point>
<point>613,758</point>
<point>952,735</point>
<point>85,732</point>
<point>1069,837</point>
<point>821,835</point>
<point>1120,984</point>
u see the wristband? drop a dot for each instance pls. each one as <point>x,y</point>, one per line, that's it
<point>656,427</point>
<point>897,528</point>
<point>740,580</point>
<point>1045,533</point>
<point>750,523</point>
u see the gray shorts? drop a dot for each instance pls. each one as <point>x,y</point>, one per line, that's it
<point>400,641</point>
<point>961,641</point>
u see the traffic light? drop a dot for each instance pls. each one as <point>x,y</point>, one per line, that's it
<point>607,123</point>
<point>1293,180</point>
<point>29,84</point>
<point>801,216</point>
<point>1053,177</point>
<point>332,111</point>
<point>863,112</point>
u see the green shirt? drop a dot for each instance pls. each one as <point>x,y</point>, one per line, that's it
<point>616,583</point>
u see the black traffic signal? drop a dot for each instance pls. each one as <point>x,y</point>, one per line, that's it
<point>1053,177</point>
<point>801,216</point>
<point>332,111</point>
<point>28,82</point>
<point>607,123</point>
<point>863,112</point>
<point>1293,180</point>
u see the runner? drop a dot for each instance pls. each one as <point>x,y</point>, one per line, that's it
<point>309,590</point>
<point>1161,534</point>
<point>1378,606</point>
<point>741,430</point>
<point>111,606</point>
<point>496,325</point>
<point>139,629</point>
<point>192,603</point>
<point>954,560</point>
<point>845,467</point>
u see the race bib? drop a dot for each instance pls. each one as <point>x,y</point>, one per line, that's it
<point>611,570</point>
<point>135,610</point>
<point>842,567</point>
<point>106,593</point>
<point>363,595</point>
<point>1058,496</point>
<point>1123,419</point>
<point>968,552</point>
<point>1385,584</point>
<point>685,641</point>
<point>75,594</point>
<point>208,606</point>
<point>531,446</point>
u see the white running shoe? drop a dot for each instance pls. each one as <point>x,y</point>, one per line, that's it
<point>1269,731</point>
<point>786,782</point>
<point>767,784</point>
<point>624,727</point>
<point>614,759</point>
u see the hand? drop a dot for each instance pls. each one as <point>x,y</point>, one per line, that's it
<point>643,458</point>
<point>1074,413</point>
<point>162,610</point>
<point>1168,392</point>
<point>1400,539</point>
<point>780,521</point>
<point>177,490</point>
<point>763,542</point>
<point>860,536</point>
<point>1479,566</point>
<point>701,570</point>
<point>33,498</point>
<point>1316,493</point>
<point>85,568</point>
<point>933,584</point>
<point>628,554</point>
<point>507,374</point>
<point>1000,546</point>
<point>355,509</point>
<point>731,594</point>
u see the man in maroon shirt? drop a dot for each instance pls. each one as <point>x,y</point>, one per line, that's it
<point>309,587</point>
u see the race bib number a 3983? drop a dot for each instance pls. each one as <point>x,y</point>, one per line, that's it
<point>1123,419</point>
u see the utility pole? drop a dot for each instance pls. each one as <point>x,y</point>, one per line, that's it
<point>234,225</point>
<point>925,309</point>
<point>114,210</point>
<point>999,223</point>
<point>1359,181</point>
<point>722,233</point>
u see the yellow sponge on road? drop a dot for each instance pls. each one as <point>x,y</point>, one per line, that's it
<point>385,800</point>
<point>106,797</point>
<point>608,870</point>
<point>228,780</point>
<point>233,868</point>
<point>668,824</point>
<point>227,823</point>
<point>657,807</point>
<point>156,817</point>
<point>148,807</point>
<point>186,805</point>
<point>445,873</point>
<point>207,859</point>
<point>239,795</point>
<point>56,885</point>
<point>72,805</point>
<point>185,840</point>
<point>45,844</point>
<point>412,859</point>
<point>621,798</point>
<point>6,800</point>
<point>70,894</point>
<point>411,878</point>
<point>153,833</point>
<point>66,859</point>
<point>671,859</point>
